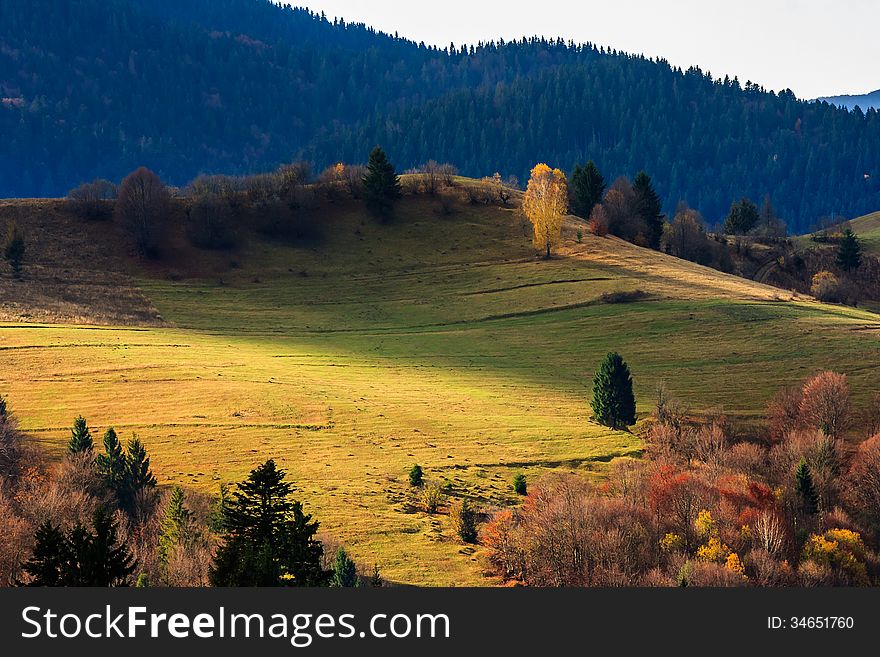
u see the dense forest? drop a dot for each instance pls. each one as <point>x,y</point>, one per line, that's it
<point>99,87</point>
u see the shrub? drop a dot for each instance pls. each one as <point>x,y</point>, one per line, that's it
<point>416,475</point>
<point>431,497</point>
<point>464,520</point>
<point>520,486</point>
<point>825,403</point>
<point>598,223</point>
<point>92,200</point>
<point>13,248</point>
<point>210,223</point>
<point>142,208</point>
<point>826,287</point>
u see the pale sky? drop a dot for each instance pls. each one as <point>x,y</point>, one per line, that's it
<point>814,47</point>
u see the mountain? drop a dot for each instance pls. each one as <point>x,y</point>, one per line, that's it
<point>863,101</point>
<point>98,87</point>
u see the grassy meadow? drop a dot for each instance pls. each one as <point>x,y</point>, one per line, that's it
<point>438,340</point>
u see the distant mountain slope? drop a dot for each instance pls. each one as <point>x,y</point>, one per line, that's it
<point>97,87</point>
<point>863,101</point>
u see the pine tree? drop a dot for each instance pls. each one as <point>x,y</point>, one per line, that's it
<point>268,540</point>
<point>849,254</point>
<point>137,474</point>
<point>649,207</point>
<point>80,437</point>
<point>47,562</point>
<point>742,218</point>
<point>416,476</point>
<point>13,248</point>
<point>176,527</point>
<point>614,404</point>
<point>106,561</point>
<point>381,184</point>
<point>587,187</point>
<point>218,509</point>
<point>344,570</point>
<point>80,557</point>
<point>520,486</point>
<point>466,522</point>
<point>806,490</point>
<point>111,465</point>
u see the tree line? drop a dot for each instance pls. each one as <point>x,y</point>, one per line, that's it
<point>495,106</point>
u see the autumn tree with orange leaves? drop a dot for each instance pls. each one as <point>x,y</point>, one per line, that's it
<point>545,204</point>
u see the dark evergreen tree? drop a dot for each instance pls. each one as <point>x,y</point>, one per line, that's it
<point>416,476</point>
<point>742,218</point>
<point>344,570</point>
<point>219,509</point>
<point>137,475</point>
<point>849,253</point>
<point>649,207</point>
<point>267,539</point>
<point>47,563</point>
<point>614,404</point>
<point>381,184</point>
<point>466,522</point>
<point>80,557</point>
<point>587,187</point>
<point>111,465</point>
<point>80,437</point>
<point>806,489</point>
<point>520,486</point>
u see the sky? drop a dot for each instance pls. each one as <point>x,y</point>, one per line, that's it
<point>813,47</point>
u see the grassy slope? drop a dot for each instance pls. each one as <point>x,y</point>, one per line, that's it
<point>434,340</point>
<point>868,229</point>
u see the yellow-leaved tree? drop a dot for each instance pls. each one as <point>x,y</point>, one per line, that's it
<point>545,204</point>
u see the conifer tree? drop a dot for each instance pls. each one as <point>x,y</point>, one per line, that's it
<point>381,184</point>
<point>614,404</point>
<point>466,522</point>
<point>806,489</point>
<point>416,476</point>
<point>176,527</point>
<point>742,218</point>
<point>849,254</point>
<point>137,475</point>
<point>46,564</point>
<point>587,187</point>
<point>268,540</point>
<point>111,465</point>
<point>80,557</point>
<point>344,570</point>
<point>649,207</point>
<point>80,437</point>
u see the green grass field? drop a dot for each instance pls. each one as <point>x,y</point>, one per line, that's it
<point>434,340</point>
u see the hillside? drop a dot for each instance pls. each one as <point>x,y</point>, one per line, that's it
<point>99,87</point>
<point>438,340</point>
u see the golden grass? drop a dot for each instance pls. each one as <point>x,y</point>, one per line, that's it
<point>434,340</point>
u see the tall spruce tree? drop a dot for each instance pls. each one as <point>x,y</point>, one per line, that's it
<point>587,187</point>
<point>80,557</point>
<point>806,489</point>
<point>649,207</point>
<point>849,253</point>
<point>381,185</point>
<point>111,465</point>
<point>267,539</point>
<point>80,437</point>
<point>176,527</point>
<point>614,404</point>
<point>137,475</point>
<point>742,218</point>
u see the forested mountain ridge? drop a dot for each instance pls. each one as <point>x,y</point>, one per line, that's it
<point>97,87</point>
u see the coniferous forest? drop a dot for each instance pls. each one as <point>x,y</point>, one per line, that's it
<point>99,87</point>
